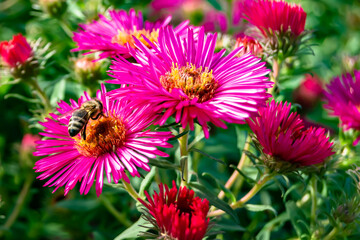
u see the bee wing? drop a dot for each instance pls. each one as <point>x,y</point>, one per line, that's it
<point>64,115</point>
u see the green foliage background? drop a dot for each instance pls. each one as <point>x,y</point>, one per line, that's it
<point>336,26</point>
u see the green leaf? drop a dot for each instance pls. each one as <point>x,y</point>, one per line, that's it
<point>135,229</point>
<point>259,208</point>
<point>174,124</point>
<point>147,181</point>
<point>230,227</point>
<point>178,136</point>
<point>279,221</point>
<point>58,91</point>
<point>113,187</point>
<point>248,179</point>
<point>21,97</point>
<point>241,136</point>
<point>164,164</point>
<point>198,138</point>
<point>297,218</point>
<point>214,182</point>
<point>215,4</point>
<point>214,200</point>
<point>207,155</point>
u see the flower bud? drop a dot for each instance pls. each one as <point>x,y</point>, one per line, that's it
<point>249,44</point>
<point>55,8</point>
<point>347,212</point>
<point>87,71</point>
<point>309,92</point>
<point>18,56</point>
<point>28,145</point>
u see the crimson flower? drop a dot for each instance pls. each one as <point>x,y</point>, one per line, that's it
<point>111,36</point>
<point>16,51</point>
<point>115,142</point>
<point>343,99</point>
<point>309,92</point>
<point>189,81</point>
<point>285,142</point>
<point>249,44</point>
<point>177,214</point>
<point>271,16</point>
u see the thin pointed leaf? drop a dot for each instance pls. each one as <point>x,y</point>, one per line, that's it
<point>207,155</point>
<point>214,200</point>
<point>249,180</point>
<point>198,138</point>
<point>178,136</point>
<point>21,97</point>
<point>164,164</point>
<point>259,208</point>
<point>147,181</point>
<point>133,231</point>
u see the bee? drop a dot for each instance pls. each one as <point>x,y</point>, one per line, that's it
<point>80,117</point>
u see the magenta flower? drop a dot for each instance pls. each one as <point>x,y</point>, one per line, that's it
<point>343,99</point>
<point>111,36</point>
<point>285,142</point>
<point>215,20</point>
<point>189,81</point>
<point>165,4</point>
<point>271,16</point>
<point>115,142</point>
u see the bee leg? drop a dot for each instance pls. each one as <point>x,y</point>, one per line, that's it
<point>83,132</point>
<point>97,116</point>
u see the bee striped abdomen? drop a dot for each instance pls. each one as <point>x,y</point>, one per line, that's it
<point>77,122</point>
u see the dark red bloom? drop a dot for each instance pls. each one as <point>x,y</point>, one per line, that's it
<point>285,141</point>
<point>309,91</point>
<point>16,51</point>
<point>178,214</point>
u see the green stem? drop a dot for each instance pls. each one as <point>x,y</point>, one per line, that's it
<point>240,165</point>
<point>119,216</point>
<point>331,234</point>
<point>313,203</point>
<point>274,76</point>
<point>41,95</point>
<point>132,192</point>
<point>256,188</point>
<point>183,142</point>
<point>19,204</point>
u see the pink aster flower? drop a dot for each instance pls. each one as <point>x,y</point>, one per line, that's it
<point>111,36</point>
<point>189,81</point>
<point>115,142</point>
<point>343,99</point>
<point>285,142</point>
<point>271,16</point>
<point>177,214</point>
<point>214,20</point>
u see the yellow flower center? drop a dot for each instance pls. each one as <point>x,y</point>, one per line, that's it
<point>194,82</point>
<point>124,37</point>
<point>103,135</point>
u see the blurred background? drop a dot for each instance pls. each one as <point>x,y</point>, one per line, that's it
<point>335,43</point>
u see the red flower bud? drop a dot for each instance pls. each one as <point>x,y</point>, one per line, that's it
<point>16,51</point>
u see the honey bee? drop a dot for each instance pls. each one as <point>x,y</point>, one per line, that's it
<point>80,117</point>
